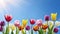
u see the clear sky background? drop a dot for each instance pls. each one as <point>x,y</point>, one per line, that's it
<point>28,9</point>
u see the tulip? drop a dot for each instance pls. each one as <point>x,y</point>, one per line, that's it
<point>32,21</point>
<point>47,18</point>
<point>44,26</point>
<point>55,30</point>
<point>53,16</point>
<point>51,25</point>
<point>24,22</point>
<point>27,27</point>
<point>21,27</point>
<point>39,22</point>
<point>2,23</point>
<point>17,23</point>
<point>36,28</point>
<point>8,17</point>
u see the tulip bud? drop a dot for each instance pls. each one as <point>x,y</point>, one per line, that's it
<point>32,21</point>
<point>36,28</point>
<point>47,18</point>
<point>39,22</point>
<point>44,26</point>
<point>8,17</point>
<point>21,27</point>
<point>17,23</point>
<point>55,30</point>
<point>2,23</point>
<point>27,27</point>
<point>53,16</point>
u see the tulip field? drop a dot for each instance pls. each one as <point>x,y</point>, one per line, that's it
<point>36,25</point>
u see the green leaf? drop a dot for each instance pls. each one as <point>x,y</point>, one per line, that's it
<point>40,31</point>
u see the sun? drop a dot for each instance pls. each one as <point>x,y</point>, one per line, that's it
<point>4,4</point>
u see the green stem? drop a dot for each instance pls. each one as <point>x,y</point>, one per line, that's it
<point>3,30</point>
<point>31,29</point>
<point>16,30</point>
<point>12,32</point>
<point>29,32</point>
<point>8,28</point>
<point>44,32</point>
<point>25,31</point>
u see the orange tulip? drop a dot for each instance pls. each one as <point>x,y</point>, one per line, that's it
<point>44,26</point>
<point>36,28</point>
<point>21,27</point>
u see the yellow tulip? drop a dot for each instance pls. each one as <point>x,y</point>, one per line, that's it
<point>13,27</point>
<point>24,22</point>
<point>53,16</point>
<point>51,25</point>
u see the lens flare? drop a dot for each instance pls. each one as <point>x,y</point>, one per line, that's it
<point>6,4</point>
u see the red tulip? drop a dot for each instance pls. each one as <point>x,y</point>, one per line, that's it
<point>32,21</point>
<point>8,17</point>
<point>39,22</point>
<point>47,18</point>
<point>17,23</point>
<point>55,30</point>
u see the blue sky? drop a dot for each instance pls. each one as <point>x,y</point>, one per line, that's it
<point>37,9</point>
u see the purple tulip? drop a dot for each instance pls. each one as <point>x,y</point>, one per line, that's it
<point>47,18</point>
<point>55,30</point>
<point>1,28</point>
<point>27,27</point>
<point>2,23</point>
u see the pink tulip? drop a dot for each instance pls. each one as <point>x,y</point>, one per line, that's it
<point>17,23</point>
<point>39,22</point>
